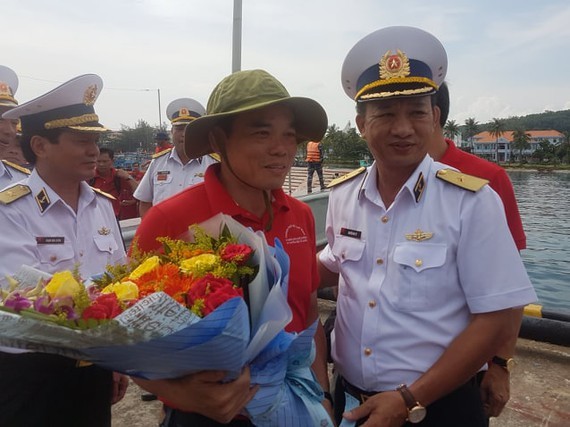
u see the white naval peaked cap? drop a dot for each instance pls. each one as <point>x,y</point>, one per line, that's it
<point>69,105</point>
<point>394,62</point>
<point>182,111</point>
<point>8,87</point>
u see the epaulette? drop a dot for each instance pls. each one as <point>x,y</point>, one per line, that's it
<point>11,194</point>
<point>462,180</point>
<point>161,153</point>
<point>102,193</point>
<point>216,157</point>
<point>346,177</point>
<point>17,167</point>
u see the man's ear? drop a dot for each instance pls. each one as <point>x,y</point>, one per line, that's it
<point>360,124</point>
<point>38,145</point>
<point>436,116</point>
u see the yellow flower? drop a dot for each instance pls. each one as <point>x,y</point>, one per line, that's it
<point>124,290</point>
<point>147,266</point>
<point>200,264</point>
<point>63,284</point>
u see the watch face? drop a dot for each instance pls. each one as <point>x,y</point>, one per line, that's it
<point>417,414</point>
<point>510,364</point>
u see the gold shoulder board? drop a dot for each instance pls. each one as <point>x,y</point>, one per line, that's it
<point>102,193</point>
<point>14,193</point>
<point>161,153</point>
<point>215,156</point>
<point>346,177</point>
<point>462,180</point>
<point>17,167</point>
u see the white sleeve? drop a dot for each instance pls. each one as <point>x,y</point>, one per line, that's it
<point>144,191</point>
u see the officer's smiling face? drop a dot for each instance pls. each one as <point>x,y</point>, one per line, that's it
<point>72,158</point>
<point>261,148</point>
<point>397,131</point>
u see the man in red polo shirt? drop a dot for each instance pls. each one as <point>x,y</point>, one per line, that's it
<point>255,126</point>
<point>495,387</point>
<point>116,182</point>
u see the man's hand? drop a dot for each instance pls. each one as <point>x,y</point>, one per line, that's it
<point>123,174</point>
<point>120,385</point>
<point>205,394</point>
<point>495,390</point>
<point>383,410</point>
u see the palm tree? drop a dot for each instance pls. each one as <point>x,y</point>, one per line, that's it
<point>497,130</point>
<point>521,141</point>
<point>451,129</point>
<point>471,129</point>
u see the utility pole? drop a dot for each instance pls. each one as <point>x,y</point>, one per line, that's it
<point>236,40</point>
<point>159,111</point>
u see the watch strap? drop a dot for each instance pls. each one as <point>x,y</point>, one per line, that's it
<point>409,398</point>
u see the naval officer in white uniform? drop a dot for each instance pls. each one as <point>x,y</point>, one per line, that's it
<point>171,170</point>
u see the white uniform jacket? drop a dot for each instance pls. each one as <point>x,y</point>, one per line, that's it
<point>10,175</point>
<point>39,229</point>
<point>411,274</point>
<point>166,176</point>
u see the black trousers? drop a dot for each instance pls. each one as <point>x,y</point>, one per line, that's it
<point>174,418</point>
<point>43,390</point>
<point>311,168</point>
<point>462,407</point>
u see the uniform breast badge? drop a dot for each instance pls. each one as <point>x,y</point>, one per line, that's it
<point>104,231</point>
<point>419,235</point>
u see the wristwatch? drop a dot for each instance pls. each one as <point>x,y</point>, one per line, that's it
<point>507,364</point>
<point>416,412</point>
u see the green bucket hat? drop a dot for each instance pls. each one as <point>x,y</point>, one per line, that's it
<point>249,90</point>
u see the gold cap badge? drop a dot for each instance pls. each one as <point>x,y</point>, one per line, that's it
<point>90,95</point>
<point>394,65</point>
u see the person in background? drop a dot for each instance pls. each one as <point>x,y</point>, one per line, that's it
<point>495,388</point>
<point>430,280</point>
<point>172,170</point>
<point>136,172</point>
<point>255,126</point>
<point>162,141</point>
<point>55,221</point>
<point>116,182</point>
<point>314,164</point>
<point>11,169</point>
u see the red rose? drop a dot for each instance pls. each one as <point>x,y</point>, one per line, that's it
<point>214,291</point>
<point>234,252</point>
<point>106,306</point>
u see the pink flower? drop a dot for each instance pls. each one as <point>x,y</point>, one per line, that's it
<point>17,302</point>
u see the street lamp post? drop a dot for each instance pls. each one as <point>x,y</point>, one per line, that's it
<point>159,111</point>
<point>236,45</point>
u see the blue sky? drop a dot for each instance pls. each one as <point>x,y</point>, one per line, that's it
<point>506,57</point>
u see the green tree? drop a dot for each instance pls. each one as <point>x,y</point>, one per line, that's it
<point>563,149</point>
<point>521,141</point>
<point>471,129</point>
<point>497,130</point>
<point>451,129</point>
<point>344,146</point>
<point>139,138</point>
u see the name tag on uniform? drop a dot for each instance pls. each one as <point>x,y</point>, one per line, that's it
<point>50,240</point>
<point>162,175</point>
<point>355,234</point>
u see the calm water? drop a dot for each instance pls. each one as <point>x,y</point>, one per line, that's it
<point>544,203</point>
